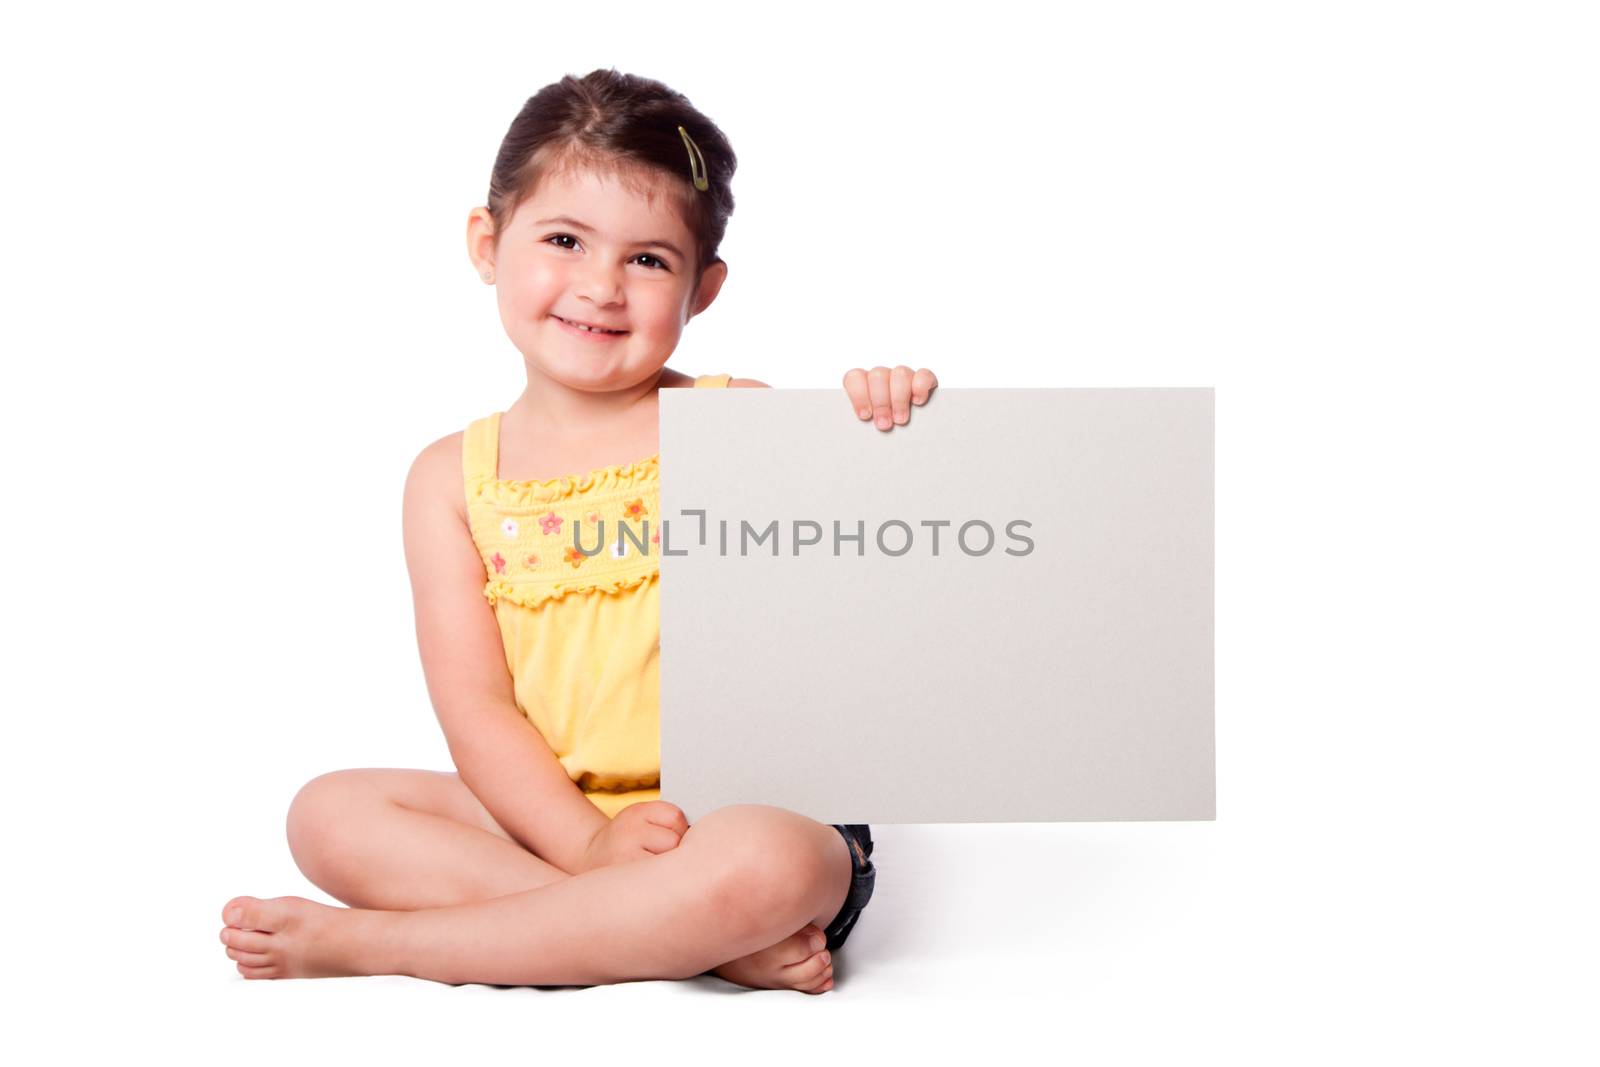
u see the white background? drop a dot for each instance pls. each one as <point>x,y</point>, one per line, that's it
<point>238,303</point>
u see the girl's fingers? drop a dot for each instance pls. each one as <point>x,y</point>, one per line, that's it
<point>886,394</point>
<point>878,389</point>
<point>659,839</point>
<point>900,393</point>
<point>665,813</point>
<point>855,384</point>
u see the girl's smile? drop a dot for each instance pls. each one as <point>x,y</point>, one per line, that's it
<point>595,334</point>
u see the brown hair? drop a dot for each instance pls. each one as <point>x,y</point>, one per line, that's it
<point>625,125</point>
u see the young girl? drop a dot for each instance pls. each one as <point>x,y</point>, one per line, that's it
<point>550,859</point>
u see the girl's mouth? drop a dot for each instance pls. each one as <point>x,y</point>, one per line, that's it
<point>590,334</point>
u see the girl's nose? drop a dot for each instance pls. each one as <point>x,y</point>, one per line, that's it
<point>599,284</point>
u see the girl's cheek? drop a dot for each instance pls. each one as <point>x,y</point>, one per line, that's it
<point>527,302</point>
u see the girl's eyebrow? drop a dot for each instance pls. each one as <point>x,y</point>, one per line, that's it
<point>567,220</point>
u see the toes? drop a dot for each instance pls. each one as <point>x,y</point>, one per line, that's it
<point>248,940</point>
<point>249,913</point>
<point>250,959</point>
<point>240,911</point>
<point>809,969</point>
<point>258,972</point>
<point>823,983</point>
<point>799,947</point>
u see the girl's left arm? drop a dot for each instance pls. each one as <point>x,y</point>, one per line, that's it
<point>885,392</point>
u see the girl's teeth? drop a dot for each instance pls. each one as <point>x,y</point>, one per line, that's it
<point>591,329</point>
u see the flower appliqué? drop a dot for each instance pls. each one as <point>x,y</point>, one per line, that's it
<point>574,557</point>
<point>593,516</point>
<point>509,528</point>
<point>634,509</point>
<point>499,562</point>
<point>532,560</point>
<point>550,524</point>
<point>655,538</point>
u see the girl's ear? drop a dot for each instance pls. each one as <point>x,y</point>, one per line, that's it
<point>710,285</point>
<point>480,240</point>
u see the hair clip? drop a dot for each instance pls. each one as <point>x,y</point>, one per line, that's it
<point>698,173</point>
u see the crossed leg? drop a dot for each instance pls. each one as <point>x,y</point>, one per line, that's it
<point>739,886</point>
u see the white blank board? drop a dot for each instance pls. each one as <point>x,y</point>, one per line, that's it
<point>1072,680</point>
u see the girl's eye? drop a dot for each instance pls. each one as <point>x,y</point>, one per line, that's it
<point>559,237</point>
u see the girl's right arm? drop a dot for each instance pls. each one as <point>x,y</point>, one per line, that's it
<point>500,756</point>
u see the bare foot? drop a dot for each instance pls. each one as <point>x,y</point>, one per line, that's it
<point>799,961</point>
<point>289,937</point>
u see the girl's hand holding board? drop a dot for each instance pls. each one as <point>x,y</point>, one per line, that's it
<point>882,394</point>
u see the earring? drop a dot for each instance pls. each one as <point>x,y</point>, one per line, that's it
<point>488,276</point>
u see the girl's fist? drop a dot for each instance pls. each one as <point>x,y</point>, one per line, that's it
<point>887,395</point>
<point>638,830</point>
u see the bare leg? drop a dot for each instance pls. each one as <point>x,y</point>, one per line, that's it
<point>391,839</point>
<point>740,877</point>
<point>400,840</point>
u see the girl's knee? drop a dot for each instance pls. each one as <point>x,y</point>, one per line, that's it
<point>775,858</point>
<point>321,807</point>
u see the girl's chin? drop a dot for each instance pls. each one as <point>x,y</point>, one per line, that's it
<point>597,375</point>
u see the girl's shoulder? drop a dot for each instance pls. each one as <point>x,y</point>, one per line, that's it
<point>435,479</point>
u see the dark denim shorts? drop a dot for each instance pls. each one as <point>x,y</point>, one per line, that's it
<point>859,838</point>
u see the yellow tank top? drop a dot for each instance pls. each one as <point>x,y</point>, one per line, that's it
<point>582,633</point>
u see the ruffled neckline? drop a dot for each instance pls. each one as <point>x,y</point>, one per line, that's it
<point>533,594</point>
<point>615,473</point>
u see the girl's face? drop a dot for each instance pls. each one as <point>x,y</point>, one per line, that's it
<point>585,249</point>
